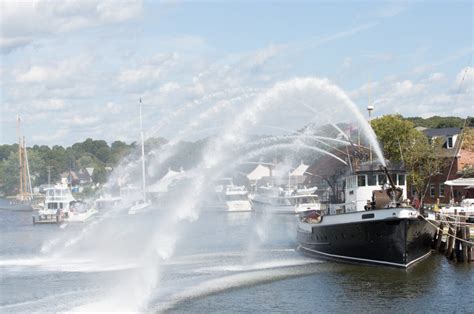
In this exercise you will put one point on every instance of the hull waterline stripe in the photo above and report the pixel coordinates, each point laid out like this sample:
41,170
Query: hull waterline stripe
366,260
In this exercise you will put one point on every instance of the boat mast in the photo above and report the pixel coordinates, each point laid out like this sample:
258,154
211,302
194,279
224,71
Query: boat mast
143,154
20,160
27,170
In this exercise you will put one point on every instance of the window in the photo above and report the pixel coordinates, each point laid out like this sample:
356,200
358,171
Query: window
361,180
449,142
401,179
382,179
441,190
394,178
372,179
432,190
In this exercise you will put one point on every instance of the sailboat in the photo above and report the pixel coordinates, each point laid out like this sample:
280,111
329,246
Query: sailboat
142,204
24,198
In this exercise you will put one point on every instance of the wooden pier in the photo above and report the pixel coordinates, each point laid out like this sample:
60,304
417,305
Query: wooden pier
48,219
454,238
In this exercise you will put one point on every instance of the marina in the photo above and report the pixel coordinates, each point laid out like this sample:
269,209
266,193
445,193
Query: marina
205,157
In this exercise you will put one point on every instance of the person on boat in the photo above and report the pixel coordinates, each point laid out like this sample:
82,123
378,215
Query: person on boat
416,202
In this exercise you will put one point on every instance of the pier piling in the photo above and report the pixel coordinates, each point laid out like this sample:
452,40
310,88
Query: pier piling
450,243
439,237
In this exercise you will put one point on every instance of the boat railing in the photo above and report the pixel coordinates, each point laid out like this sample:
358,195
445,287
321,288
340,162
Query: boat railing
57,198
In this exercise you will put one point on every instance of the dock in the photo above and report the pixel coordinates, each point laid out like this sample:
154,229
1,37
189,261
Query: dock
48,219
455,237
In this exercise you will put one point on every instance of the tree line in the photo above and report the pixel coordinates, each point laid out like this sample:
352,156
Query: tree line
49,162
400,140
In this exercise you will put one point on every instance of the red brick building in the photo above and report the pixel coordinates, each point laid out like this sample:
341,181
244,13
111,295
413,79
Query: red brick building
457,157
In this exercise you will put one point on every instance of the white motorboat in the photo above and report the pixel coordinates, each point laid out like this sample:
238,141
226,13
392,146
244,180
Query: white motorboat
81,212
139,207
232,198
465,208
274,200
106,201
57,205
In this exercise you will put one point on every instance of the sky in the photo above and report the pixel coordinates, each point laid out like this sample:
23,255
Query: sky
77,69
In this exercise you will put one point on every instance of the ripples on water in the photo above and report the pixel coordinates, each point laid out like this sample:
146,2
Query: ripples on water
222,262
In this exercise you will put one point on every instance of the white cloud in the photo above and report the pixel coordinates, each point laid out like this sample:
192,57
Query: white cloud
169,87
50,138
149,71
80,120
24,21
405,88
436,77
425,97
48,104
113,108
56,72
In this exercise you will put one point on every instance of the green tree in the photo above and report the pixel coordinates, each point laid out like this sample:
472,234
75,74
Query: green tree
402,142
99,175
11,173
87,160
395,134
118,150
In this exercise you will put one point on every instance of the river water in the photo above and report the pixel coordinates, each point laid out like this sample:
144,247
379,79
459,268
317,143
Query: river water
221,262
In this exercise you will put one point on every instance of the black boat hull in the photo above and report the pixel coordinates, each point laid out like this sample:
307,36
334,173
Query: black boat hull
398,242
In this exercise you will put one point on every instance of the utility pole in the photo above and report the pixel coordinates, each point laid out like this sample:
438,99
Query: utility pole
49,174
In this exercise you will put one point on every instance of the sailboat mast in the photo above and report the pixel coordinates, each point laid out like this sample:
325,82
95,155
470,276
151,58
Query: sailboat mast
27,171
20,159
143,154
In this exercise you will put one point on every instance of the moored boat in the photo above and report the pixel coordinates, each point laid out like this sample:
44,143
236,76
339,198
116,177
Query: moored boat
81,211
57,205
228,197
144,204
279,201
385,231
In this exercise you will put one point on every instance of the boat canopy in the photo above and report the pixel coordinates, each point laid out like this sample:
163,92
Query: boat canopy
461,182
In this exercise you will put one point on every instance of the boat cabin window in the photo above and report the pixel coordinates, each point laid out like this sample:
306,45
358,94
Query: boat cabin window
361,180
401,179
351,182
372,179
302,200
55,205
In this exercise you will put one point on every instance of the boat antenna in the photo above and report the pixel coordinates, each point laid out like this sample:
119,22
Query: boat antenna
143,153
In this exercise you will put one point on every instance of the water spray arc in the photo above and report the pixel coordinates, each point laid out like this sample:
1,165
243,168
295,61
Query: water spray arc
223,151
